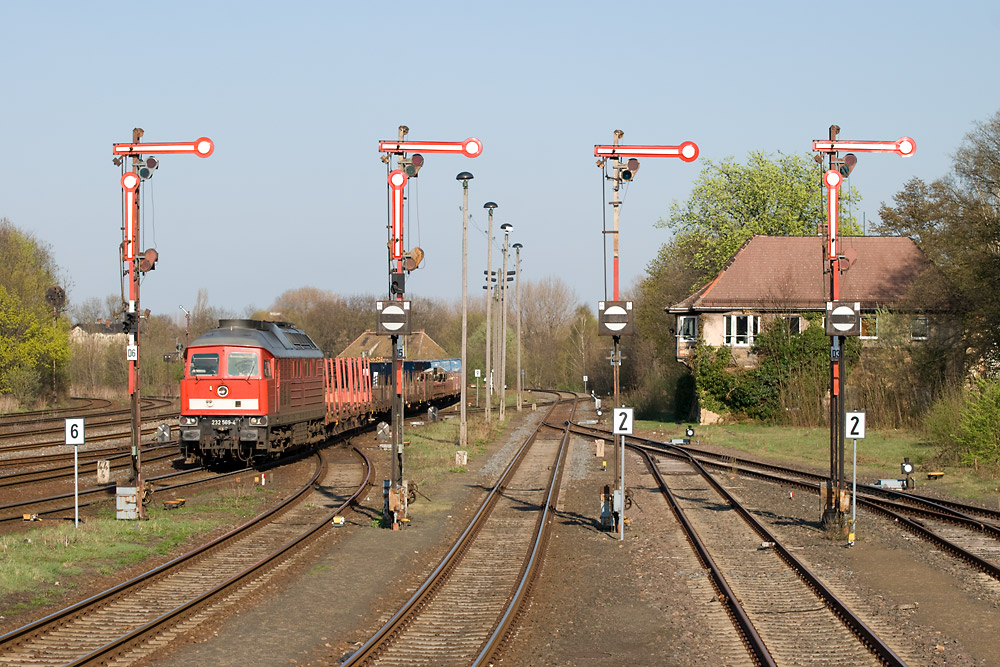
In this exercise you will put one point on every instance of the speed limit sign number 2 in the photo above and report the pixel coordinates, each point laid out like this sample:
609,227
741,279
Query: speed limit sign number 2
854,425
622,418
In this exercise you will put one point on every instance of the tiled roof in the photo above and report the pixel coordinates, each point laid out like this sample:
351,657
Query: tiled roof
417,346
787,273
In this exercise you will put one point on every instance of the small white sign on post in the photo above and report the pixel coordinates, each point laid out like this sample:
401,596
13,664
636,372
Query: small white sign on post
75,437
854,425
131,352
623,421
74,432
479,372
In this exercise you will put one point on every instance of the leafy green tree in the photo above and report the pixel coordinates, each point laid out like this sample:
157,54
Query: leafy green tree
34,347
956,222
731,202
28,348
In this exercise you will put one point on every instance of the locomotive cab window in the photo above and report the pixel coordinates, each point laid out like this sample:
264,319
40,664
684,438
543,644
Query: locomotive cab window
204,364
242,365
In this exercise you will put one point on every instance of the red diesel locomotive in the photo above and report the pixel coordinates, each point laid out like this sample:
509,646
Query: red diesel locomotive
252,389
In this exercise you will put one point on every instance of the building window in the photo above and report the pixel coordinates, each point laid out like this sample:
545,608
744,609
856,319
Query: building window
687,327
869,327
920,328
793,323
741,330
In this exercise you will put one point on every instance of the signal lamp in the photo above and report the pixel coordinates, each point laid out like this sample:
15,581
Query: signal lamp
850,161
412,259
148,260
413,164
147,167
628,172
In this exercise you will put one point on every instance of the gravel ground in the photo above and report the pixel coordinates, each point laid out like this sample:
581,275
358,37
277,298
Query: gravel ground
644,601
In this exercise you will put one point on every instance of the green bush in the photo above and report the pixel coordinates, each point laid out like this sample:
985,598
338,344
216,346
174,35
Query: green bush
978,433
786,363
942,421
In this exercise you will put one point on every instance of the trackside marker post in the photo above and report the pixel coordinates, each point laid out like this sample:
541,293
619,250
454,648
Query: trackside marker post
855,428
132,257
395,501
621,426
833,510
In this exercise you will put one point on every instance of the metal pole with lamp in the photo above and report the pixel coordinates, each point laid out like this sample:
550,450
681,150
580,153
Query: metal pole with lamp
489,206
502,281
463,427
517,296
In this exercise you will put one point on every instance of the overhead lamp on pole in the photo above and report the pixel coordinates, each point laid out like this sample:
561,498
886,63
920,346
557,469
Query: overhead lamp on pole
489,206
502,279
463,428
517,296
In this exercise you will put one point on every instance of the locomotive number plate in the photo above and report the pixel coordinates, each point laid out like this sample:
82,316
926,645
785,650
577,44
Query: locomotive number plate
223,422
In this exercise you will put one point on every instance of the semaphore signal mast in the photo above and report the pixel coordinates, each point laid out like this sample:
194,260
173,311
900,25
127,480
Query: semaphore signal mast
144,164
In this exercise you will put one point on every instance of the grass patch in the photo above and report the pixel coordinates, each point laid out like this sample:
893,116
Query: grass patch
50,558
430,454
879,454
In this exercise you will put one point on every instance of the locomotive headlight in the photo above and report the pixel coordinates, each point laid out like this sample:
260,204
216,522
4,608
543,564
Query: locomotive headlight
258,421
187,421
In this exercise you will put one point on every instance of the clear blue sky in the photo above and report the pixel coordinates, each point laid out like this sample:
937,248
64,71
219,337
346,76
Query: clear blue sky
297,96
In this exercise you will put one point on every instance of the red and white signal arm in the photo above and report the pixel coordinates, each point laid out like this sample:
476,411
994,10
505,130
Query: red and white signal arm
471,147
687,151
904,146
615,318
202,147
393,318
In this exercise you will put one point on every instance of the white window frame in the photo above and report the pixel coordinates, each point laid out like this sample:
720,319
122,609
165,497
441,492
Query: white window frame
798,323
730,335
681,321
926,327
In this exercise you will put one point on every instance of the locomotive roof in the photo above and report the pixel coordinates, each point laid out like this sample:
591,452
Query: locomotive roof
281,339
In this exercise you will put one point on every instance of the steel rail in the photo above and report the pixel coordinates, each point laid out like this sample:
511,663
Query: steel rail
751,639
507,620
174,565
150,455
16,419
932,508
858,627
145,576
297,541
368,651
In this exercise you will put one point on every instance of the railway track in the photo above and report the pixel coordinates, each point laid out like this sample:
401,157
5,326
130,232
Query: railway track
84,407
784,612
118,458
129,622
464,611
102,426
967,532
